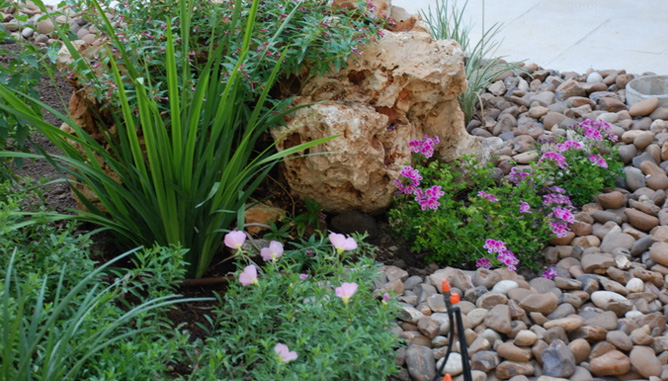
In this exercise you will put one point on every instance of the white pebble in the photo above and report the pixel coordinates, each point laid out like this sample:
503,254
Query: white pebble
594,77
635,285
503,286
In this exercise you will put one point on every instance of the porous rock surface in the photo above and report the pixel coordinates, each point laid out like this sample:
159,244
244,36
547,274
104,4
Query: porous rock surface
603,317
400,88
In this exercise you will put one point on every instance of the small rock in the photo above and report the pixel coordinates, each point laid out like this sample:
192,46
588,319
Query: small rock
644,361
613,363
420,363
644,107
542,303
558,360
603,299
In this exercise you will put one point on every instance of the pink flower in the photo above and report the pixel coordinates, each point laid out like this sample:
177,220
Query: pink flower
484,263
494,246
386,297
598,160
525,207
425,147
346,291
341,243
489,196
556,157
429,200
568,144
550,273
248,276
303,276
560,229
564,215
273,252
235,239
507,257
413,177
284,353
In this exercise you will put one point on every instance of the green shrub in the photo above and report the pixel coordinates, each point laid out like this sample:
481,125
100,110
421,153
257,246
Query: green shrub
294,302
457,224
60,320
498,222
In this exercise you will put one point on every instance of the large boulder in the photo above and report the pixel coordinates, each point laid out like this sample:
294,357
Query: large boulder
400,88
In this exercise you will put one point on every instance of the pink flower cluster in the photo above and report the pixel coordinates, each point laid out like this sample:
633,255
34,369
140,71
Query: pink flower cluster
556,157
561,211
504,255
425,147
525,207
413,176
598,160
595,130
569,144
429,198
488,196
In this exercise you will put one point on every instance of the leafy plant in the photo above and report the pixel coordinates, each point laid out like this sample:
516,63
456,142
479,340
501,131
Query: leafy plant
178,177
475,218
454,226
446,22
327,316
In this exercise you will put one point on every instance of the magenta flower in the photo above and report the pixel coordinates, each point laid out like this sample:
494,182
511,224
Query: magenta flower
598,160
488,196
525,207
413,178
346,291
569,144
235,239
507,257
558,158
284,353
494,246
550,273
429,200
560,229
386,297
484,263
425,147
248,276
341,243
273,252
564,215
303,276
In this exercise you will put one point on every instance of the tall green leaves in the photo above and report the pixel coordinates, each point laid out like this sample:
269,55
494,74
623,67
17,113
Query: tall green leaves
178,177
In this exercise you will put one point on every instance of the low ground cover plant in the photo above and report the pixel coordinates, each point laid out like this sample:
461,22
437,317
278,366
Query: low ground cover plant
506,222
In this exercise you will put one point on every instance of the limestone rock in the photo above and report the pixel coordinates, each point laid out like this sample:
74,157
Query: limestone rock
401,88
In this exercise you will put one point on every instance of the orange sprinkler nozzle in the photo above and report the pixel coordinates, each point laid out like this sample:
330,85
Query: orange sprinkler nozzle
447,377
455,298
445,286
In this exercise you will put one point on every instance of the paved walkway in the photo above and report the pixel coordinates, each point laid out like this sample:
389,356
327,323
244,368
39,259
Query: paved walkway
573,35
